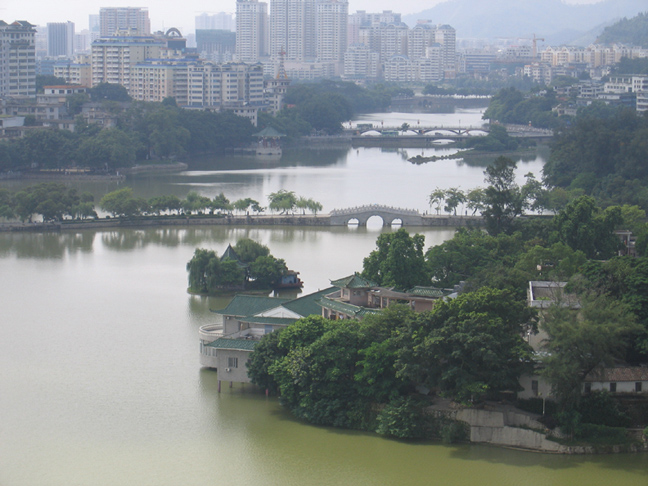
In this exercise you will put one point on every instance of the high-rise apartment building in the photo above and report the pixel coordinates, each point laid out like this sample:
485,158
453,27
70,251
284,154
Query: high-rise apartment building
293,29
17,59
113,57
446,36
216,45
251,30
60,39
134,19
332,20
219,21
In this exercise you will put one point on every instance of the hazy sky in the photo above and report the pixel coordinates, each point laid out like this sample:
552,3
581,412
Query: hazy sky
165,13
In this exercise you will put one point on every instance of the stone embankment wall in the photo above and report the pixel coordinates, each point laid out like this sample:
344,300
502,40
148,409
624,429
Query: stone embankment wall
319,220
510,428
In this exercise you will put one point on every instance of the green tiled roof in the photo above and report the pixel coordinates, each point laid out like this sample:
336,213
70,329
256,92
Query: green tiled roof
427,292
354,281
307,305
240,344
348,309
269,132
230,254
275,321
249,305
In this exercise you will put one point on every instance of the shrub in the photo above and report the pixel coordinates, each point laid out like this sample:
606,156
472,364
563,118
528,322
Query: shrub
404,418
452,432
602,434
600,408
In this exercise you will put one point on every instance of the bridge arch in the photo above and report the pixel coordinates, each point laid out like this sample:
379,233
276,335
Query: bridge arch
389,215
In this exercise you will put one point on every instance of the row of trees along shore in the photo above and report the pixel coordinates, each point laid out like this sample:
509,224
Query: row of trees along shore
145,131
56,202
369,374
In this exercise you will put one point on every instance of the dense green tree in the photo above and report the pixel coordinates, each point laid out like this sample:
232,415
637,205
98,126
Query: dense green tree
470,346
249,250
282,200
43,80
122,203
109,92
583,226
503,199
48,148
633,31
194,202
475,200
265,271
197,268
75,102
583,340
221,203
397,261
111,148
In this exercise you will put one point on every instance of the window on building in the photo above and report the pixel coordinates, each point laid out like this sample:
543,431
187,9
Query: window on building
534,387
232,362
613,387
638,387
588,388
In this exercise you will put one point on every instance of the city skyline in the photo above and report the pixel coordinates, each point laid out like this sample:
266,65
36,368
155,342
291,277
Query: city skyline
164,15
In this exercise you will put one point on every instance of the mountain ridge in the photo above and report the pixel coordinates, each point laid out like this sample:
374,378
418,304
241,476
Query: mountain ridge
555,21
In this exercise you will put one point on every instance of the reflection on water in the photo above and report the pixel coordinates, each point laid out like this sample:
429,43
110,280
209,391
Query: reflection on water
101,382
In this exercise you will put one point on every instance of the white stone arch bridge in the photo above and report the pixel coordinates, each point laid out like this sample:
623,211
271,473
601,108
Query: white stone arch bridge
388,214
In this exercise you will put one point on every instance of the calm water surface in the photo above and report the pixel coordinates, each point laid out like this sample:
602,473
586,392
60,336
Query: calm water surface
100,382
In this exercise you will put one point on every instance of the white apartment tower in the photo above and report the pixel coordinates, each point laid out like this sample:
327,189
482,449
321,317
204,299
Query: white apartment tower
135,19
332,19
60,39
251,30
447,37
293,29
17,59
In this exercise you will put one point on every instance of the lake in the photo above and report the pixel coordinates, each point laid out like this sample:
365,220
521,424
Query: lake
101,382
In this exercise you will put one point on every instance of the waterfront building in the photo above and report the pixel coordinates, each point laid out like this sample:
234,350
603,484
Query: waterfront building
114,19
227,346
251,30
60,39
17,59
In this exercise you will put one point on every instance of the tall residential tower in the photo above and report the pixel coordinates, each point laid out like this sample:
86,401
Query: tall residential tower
251,30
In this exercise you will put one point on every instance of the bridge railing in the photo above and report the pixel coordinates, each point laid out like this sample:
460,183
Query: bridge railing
374,207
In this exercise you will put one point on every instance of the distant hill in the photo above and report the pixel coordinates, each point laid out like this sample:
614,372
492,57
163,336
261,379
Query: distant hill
627,31
555,21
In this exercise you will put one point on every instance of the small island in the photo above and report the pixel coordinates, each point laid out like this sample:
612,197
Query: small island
246,266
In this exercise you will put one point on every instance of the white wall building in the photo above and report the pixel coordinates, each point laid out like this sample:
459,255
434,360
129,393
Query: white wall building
251,30
17,59
332,20
60,39
113,19
293,29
